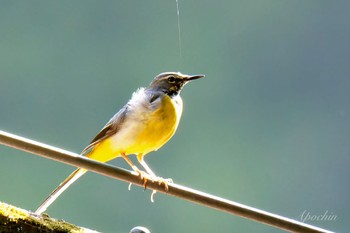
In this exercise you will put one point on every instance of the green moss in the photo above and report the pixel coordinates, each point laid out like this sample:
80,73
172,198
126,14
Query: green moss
13,219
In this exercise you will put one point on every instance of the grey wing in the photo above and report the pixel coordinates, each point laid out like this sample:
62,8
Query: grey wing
109,129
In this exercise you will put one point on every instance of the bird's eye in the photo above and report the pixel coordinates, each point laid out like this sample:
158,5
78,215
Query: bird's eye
171,79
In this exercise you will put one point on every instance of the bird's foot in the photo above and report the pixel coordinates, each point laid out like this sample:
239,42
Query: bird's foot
143,176
160,181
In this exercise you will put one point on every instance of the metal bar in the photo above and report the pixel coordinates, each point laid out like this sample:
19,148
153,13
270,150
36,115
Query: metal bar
186,193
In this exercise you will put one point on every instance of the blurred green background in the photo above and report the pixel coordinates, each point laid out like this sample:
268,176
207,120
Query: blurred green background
267,127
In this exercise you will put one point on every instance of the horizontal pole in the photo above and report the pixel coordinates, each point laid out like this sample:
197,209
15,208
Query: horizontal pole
186,193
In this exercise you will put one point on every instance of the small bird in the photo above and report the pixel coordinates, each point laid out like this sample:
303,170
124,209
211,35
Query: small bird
143,125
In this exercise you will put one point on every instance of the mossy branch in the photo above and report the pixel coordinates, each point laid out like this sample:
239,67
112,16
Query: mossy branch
14,219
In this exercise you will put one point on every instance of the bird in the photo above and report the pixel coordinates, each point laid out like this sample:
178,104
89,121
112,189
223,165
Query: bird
148,120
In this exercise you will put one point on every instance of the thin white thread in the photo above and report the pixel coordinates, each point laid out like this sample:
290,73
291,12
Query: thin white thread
179,29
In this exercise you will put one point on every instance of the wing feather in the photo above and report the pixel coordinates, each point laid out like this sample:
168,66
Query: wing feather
111,128
141,98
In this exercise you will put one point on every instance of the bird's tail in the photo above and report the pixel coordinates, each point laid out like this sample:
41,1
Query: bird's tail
60,189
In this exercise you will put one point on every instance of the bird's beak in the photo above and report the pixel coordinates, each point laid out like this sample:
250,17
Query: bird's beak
194,77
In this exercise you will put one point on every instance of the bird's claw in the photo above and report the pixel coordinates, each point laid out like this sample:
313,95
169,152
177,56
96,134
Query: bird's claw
159,180
162,181
143,176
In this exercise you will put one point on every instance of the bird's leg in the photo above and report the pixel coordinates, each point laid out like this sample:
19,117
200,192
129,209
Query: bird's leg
138,171
155,178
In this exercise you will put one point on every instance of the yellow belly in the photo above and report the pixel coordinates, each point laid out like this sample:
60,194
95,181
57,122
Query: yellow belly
141,134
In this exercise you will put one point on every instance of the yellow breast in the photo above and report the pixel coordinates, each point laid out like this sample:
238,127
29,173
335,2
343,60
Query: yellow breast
144,130
160,126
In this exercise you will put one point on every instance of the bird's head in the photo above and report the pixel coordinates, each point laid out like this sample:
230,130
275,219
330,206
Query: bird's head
171,83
